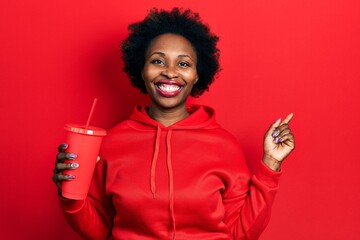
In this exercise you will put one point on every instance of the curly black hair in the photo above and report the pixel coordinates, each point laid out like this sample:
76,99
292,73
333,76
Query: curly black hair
178,21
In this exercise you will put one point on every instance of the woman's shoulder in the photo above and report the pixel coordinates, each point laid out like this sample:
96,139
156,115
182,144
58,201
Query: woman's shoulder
119,127
225,135
118,131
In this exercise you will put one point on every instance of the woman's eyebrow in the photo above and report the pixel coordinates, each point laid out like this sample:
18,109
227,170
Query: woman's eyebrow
184,55
163,54
160,53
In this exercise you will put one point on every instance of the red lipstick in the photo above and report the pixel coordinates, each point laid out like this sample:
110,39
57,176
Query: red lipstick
168,88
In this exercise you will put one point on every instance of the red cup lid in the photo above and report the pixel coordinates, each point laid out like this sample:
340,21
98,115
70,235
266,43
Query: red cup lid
78,128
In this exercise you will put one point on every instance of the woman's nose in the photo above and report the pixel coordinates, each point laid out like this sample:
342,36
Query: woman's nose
170,72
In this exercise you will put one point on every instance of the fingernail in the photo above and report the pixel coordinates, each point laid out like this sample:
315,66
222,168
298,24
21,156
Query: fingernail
276,140
280,140
275,133
71,177
72,156
74,165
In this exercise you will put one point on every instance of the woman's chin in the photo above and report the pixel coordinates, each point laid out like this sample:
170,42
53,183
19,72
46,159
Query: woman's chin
169,102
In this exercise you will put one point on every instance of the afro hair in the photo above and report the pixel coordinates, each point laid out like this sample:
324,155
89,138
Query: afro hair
177,21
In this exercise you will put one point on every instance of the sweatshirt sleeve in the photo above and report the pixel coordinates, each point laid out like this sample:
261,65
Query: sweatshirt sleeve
91,218
248,209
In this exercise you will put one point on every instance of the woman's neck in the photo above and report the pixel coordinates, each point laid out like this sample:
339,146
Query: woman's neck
167,117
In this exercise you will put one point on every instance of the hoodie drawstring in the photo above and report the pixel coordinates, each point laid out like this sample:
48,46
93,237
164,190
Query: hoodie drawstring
154,160
171,180
170,171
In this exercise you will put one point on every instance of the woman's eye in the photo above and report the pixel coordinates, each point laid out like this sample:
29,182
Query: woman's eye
184,64
157,61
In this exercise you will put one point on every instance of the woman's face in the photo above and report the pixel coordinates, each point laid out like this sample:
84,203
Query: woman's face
169,71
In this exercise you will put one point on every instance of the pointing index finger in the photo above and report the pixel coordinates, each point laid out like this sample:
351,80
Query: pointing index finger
288,119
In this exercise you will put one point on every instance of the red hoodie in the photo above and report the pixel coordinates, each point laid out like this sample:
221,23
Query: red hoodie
185,181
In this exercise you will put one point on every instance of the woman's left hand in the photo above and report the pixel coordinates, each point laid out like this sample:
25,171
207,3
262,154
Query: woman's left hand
279,142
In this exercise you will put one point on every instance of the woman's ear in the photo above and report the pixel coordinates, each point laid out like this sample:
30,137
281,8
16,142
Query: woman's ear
197,78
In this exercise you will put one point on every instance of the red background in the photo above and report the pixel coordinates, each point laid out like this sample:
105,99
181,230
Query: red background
277,57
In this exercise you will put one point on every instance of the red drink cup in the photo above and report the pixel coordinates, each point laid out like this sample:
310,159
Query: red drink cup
85,143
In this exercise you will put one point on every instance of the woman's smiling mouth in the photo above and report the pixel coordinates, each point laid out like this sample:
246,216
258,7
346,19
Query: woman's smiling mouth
168,88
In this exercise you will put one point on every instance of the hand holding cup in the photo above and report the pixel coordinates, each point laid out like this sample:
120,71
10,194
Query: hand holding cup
83,144
61,166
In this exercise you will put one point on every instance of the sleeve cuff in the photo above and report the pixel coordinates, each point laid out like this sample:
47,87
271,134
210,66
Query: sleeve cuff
70,205
268,176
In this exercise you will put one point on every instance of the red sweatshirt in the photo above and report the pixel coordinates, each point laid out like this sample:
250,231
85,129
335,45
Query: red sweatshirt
185,181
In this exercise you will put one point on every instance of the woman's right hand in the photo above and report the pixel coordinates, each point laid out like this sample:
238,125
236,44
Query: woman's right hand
60,166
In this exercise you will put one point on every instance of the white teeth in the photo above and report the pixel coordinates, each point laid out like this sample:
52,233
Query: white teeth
169,88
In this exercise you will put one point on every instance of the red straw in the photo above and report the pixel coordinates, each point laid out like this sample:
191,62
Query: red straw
91,113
